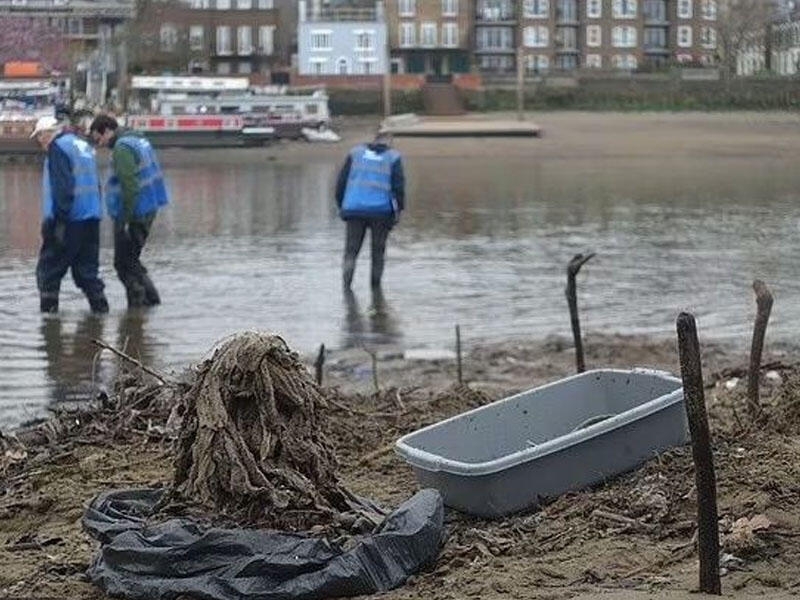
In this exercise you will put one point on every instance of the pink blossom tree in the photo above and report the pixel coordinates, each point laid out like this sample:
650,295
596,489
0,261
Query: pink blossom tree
32,39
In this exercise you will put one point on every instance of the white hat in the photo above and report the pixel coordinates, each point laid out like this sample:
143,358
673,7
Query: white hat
44,124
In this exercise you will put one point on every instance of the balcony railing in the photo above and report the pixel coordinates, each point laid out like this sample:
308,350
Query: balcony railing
345,14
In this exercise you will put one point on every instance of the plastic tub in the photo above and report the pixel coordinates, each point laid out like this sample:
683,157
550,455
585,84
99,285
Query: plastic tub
575,432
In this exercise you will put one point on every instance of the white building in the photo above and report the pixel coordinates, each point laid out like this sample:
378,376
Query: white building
340,41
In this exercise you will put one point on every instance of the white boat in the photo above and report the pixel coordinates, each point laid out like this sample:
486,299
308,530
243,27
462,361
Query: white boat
201,105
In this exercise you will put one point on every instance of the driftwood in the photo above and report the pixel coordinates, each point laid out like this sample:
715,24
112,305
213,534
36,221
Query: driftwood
763,309
572,299
130,359
705,479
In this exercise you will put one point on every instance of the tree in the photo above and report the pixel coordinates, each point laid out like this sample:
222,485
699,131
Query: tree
33,39
741,25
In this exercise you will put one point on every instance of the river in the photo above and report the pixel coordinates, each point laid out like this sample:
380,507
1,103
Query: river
252,240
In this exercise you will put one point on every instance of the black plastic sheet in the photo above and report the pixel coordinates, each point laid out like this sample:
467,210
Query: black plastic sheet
164,560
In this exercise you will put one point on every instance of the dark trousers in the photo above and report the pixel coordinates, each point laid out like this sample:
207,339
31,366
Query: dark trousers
128,246
78,252
379,233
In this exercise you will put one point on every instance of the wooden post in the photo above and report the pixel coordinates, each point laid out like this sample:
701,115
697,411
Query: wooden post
572,299
319,364
458,355
705,480
520,63
763,308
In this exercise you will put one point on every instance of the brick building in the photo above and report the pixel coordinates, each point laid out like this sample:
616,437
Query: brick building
432,37
593,34
207,36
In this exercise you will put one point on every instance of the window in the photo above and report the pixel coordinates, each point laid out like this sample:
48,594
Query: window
684,58
536,63
224,68
244,5
245,68
624,9
224,40
266,4
408,35
321,40
495,10
495,38
594,61
536,9
342,66
223,5
594,9
567,63
708,10
624,61
567,38
74,26
407,8
594,36
684,9
655,10
685,36
266,39
317,65
365,40
244,39
567,10
537,36
655,38
497,64
428,34
623,36
367,65
449,8
195,37
168,37
708,37
450,35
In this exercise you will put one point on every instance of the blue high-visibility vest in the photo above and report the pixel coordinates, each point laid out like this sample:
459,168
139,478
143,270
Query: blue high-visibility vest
152,189
369,183
86,202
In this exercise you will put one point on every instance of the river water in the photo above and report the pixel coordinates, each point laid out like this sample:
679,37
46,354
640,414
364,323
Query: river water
252,240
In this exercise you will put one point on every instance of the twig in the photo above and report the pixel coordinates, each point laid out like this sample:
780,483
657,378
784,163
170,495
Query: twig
341,406
764,307
622,519
376,453
130,359
572,299
398,399
705,478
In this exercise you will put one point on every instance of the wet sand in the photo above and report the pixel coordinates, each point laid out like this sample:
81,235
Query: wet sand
561,551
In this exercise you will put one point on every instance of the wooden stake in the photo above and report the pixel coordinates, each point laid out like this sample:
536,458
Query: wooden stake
319,364
705,479
764,307
458,355
572,299
374,356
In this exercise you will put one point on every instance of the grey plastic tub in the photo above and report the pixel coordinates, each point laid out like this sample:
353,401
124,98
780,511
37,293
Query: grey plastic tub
513,453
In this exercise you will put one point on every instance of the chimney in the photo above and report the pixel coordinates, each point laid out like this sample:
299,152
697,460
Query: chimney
379,15
301,11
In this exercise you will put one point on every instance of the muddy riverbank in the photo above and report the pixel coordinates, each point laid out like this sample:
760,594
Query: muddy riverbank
565,550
